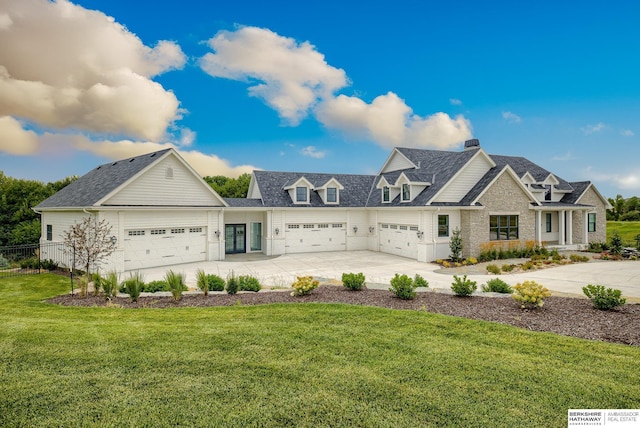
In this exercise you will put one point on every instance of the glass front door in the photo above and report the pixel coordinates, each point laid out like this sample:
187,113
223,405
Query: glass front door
235,238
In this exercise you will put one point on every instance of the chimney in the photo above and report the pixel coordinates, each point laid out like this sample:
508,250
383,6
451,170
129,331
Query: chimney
472,144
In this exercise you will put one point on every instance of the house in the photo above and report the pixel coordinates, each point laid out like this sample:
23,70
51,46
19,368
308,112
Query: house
163,213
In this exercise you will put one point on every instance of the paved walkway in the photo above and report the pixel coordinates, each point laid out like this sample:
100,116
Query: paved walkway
379,268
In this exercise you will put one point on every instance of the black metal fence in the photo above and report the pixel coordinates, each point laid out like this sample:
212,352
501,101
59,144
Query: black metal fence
32,259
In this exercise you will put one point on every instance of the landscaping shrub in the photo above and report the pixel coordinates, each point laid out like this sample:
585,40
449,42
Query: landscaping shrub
215,283
446,264
133,285
353,281
528,265
109,284
232,284
248,283
463,286
539,257
530,294
507,268
616,244
202,282
30,263
604,299
494,269
48,264
304,285
598,247
403,287
576,258
496,285
455,245
419,281
175,281
155,286
4,263
472,261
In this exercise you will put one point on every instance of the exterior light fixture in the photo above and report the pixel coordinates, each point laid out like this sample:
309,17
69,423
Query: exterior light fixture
217,233
113,240
277,230
420,234
355,229
371,229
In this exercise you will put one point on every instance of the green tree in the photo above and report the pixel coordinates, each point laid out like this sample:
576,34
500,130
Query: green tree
617,210
230,187
455,245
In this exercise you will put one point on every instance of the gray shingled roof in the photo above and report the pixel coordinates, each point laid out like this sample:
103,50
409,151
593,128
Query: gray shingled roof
522,165
579,188
244,202
271,185
99,182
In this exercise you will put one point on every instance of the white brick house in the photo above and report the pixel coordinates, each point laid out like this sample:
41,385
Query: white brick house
163,213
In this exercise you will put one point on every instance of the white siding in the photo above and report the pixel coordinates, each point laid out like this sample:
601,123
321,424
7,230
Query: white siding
60,222
311,216
465,180
399,216
397,162
155,188
147,219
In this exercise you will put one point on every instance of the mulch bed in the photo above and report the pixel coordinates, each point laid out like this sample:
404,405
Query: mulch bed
562,315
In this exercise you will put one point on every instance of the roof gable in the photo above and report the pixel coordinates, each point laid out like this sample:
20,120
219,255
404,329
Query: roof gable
465,178
396,161
489,180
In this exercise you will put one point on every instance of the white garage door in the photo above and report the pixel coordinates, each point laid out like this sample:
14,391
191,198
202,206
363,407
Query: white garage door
399,239
145,248
313,237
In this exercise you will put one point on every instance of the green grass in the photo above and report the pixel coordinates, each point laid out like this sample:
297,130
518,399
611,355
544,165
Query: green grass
290,365
628,230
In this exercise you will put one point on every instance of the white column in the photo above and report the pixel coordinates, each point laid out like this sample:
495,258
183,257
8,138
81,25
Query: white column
561,227
570,227
268,227
585,228
539,227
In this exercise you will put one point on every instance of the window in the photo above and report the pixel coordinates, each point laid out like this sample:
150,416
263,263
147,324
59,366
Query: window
385,194
307,226
136,233
406,192
404,228
332,195
547,192
49,232
301,194
256,236
177,231
337,225
293,226
443,225
592,222
195,230
548,220
503,227
168,173
323,226
158,231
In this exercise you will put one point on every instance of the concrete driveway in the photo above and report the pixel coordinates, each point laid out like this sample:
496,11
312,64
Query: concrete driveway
379,268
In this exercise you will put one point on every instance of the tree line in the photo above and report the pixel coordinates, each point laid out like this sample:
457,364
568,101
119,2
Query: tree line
20,225
624,209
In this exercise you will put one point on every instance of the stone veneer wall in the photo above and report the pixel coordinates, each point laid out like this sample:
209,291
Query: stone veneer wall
590,197
504,196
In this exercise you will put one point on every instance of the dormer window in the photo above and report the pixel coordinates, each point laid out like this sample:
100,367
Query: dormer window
302,194
406,192
385,194
332,195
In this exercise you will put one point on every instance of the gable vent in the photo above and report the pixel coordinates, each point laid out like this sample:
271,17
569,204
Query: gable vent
472,144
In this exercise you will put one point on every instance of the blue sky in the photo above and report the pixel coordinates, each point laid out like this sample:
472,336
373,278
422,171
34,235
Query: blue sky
326,86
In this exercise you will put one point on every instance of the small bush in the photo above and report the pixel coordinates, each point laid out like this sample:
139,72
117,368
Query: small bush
472,261
494,269
576,258
4,263
109,285
233,285
353,281
175,281
48,264
507,268
133,286
496,285
616,244
248,283
528,265
31,263
202,282
463,286
539,257
215,283
403,287
155,286
530,294
446,264
419,281
304,285
604,299
455,245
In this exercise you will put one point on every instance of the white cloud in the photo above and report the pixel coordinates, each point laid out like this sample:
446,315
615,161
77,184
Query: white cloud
14,139
390,122
628,180
565,157
312,152
592,129
294,79
511,117
627,133
289,76
66,67
455,102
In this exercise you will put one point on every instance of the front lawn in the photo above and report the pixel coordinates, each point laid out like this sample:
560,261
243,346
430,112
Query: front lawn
290,365
628,230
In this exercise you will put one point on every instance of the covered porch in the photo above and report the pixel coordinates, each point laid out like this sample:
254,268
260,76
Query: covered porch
563,226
